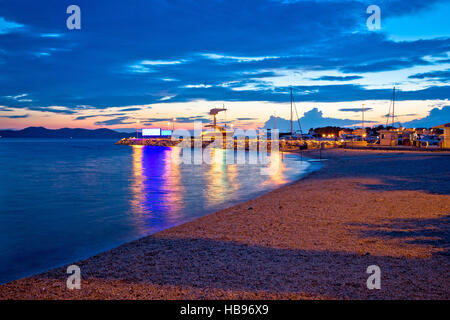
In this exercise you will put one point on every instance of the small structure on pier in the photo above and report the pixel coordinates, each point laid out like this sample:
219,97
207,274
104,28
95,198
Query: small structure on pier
388,137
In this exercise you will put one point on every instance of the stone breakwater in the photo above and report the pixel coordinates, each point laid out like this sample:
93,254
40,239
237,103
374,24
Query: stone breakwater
163,142
249,144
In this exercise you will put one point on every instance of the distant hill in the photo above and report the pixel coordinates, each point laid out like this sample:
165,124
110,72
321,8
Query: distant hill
41,132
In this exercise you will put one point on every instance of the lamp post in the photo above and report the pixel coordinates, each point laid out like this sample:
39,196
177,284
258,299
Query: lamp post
137,129
173,124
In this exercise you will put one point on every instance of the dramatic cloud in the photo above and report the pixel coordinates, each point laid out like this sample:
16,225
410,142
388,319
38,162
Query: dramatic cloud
436,117
130,109
311,119
53,109
355,109
8,26
98,115
16,116
211,50
115,121
384,65
177,120
443,75
338,78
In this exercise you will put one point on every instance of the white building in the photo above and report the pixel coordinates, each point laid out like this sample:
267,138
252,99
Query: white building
388,138
446,142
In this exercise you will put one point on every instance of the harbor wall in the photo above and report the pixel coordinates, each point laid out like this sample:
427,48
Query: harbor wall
250,144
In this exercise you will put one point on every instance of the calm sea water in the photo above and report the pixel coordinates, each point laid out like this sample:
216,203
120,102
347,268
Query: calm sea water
63,200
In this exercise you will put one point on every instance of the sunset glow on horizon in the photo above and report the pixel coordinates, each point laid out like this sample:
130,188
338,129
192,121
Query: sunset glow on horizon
111,75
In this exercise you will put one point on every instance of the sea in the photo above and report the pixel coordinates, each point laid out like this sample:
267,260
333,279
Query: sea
62,200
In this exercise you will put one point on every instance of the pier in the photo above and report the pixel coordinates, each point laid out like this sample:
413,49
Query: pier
247,144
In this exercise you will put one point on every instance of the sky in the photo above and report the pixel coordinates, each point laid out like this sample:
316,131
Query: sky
136,64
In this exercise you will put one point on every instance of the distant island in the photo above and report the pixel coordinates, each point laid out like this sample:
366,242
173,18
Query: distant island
41,132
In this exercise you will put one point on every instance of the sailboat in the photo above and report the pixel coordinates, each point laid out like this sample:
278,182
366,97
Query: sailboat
390,137
292,134
388,116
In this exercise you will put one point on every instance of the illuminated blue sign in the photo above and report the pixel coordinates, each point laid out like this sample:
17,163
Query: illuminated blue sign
151,132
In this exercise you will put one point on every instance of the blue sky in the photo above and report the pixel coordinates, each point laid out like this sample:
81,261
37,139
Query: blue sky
151,61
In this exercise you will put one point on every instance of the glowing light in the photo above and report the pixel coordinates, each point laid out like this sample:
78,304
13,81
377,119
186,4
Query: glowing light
277,177
137,187
151,132
172,183
216,177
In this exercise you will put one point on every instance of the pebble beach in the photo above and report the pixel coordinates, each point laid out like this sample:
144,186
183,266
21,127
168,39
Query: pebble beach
311,239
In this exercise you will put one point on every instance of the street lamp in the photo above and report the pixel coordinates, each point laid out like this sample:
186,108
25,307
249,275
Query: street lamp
173,124
137,129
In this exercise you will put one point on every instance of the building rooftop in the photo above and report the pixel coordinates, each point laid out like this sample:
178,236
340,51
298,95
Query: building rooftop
445,125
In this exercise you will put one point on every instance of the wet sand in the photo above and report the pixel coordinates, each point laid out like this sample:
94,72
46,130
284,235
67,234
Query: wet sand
312,239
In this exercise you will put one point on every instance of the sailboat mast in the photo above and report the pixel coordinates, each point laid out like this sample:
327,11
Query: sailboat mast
291,114
275,120
363,118
393,107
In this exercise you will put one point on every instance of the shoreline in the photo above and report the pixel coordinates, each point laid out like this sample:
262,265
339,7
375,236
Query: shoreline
312,238
312,167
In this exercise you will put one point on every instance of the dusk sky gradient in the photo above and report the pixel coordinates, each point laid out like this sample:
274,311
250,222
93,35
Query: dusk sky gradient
150,61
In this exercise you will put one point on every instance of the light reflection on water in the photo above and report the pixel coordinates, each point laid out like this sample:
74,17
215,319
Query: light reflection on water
167,192
61,201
